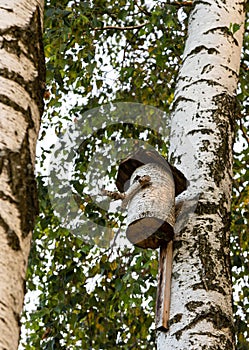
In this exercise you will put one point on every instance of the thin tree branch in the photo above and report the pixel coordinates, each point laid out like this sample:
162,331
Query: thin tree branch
121,28
142,9
141,182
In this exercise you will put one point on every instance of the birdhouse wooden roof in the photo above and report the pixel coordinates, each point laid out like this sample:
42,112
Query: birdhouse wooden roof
142,157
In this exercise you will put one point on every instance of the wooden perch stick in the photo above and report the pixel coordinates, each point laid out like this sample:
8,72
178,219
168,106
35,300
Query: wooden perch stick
141,182
164,287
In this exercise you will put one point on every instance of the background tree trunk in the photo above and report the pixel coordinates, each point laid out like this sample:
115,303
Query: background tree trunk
22,81
202,132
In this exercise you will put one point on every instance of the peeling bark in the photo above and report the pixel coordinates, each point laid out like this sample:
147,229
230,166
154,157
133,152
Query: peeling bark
202,134
22,82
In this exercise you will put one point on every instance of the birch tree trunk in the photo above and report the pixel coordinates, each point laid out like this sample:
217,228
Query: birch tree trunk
201,142
21,91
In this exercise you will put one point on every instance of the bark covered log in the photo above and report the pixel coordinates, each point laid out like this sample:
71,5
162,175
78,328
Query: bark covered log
151,211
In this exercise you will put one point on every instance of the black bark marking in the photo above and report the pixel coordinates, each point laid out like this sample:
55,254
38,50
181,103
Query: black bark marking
224,117
180,99
210,277
6,9
204,131
3,320
6,197
196,3
224,342
193,305
17,317
206,207
207,68
210,280
201,2
224,31
12,238
209,82
26,113
29,37
3,304
176,319
233,72
23,185
201,49
214,315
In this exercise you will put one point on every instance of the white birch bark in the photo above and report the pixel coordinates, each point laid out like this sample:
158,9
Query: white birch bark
21,92
201,147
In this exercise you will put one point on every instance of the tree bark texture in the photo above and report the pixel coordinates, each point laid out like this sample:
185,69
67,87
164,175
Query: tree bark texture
201,142
22,82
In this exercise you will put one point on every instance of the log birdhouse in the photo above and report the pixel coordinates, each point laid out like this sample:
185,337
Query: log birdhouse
148,185
151,206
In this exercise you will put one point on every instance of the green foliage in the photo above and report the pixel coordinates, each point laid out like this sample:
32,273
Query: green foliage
234,27
240,205
91,298
240,239
137,65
